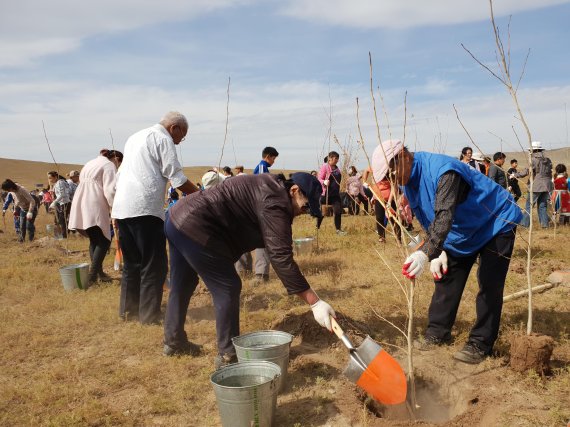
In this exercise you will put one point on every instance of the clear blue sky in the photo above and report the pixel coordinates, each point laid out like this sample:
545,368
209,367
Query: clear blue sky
85,68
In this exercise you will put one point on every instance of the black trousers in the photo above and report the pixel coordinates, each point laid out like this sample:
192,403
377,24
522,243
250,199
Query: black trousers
98,247
333,200
494,259
144,267
188,260
380,213
62,217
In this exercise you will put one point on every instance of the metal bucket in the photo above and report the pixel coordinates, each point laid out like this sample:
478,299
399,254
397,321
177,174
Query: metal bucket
303,246
271,346
247,393
75,276
54,230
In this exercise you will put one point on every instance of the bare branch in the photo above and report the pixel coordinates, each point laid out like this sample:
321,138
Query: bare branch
227,121
523,70
483,65
374,99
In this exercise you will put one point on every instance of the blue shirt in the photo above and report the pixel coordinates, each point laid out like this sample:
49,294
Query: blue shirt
262,167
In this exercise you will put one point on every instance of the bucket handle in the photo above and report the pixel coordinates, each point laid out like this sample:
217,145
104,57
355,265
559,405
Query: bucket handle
78,278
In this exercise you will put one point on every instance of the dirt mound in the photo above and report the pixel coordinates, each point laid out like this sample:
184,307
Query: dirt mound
305,327
531,352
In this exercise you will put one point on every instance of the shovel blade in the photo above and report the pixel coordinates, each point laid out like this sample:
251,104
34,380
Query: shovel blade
384,380
378,373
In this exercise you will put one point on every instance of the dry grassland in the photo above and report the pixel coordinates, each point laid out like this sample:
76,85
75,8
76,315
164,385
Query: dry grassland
67,360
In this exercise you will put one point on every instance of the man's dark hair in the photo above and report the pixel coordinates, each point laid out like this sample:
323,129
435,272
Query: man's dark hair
498,156
9,185
514,161
269,151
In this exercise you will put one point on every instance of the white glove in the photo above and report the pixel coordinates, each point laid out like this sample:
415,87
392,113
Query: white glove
323,312
3,212
29,216
414,264
326,182
52,206
512,176
438,266
365,184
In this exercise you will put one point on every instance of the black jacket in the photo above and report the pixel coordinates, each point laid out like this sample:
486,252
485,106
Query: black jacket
239,215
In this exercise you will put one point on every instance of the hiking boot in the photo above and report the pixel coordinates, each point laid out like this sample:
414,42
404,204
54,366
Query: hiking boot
188,348
428,342
104,277
341,232
226,359
470,353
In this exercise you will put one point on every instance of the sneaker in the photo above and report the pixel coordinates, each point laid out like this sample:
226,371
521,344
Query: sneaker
470,353
188,348
226,359
428,342
341,232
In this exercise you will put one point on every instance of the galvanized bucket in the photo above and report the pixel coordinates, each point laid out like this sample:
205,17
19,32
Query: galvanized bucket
247,393
74,276
271,346
303,246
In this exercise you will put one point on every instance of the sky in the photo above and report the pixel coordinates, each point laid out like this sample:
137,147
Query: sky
93,73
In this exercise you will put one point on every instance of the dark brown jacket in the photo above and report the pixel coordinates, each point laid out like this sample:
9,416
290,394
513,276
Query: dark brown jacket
239,215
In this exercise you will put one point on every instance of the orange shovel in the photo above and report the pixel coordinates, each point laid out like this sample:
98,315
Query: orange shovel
374,370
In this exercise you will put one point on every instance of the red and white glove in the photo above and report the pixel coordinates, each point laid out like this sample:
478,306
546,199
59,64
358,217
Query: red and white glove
438,266
414,264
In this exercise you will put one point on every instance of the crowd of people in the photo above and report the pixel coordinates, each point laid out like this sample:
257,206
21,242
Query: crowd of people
467,208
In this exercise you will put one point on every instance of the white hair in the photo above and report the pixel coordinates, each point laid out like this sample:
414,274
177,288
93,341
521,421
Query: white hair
174,118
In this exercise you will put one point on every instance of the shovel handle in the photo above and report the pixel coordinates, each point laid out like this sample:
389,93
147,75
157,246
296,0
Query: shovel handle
336,328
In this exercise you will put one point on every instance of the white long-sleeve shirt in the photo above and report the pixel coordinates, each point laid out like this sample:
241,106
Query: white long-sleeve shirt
149,162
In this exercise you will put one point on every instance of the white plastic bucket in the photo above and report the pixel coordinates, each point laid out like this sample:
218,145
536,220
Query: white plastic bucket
75,276
270,346
247,393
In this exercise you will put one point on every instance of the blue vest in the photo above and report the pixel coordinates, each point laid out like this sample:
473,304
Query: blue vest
489,209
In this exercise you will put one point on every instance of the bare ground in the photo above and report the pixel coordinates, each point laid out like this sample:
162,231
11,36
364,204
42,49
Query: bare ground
68,360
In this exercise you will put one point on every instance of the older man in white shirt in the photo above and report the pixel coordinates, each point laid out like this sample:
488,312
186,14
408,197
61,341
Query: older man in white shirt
149,162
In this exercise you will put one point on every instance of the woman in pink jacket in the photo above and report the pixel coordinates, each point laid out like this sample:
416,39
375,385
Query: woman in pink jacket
91,208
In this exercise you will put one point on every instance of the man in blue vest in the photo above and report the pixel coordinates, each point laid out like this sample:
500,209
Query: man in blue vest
466,216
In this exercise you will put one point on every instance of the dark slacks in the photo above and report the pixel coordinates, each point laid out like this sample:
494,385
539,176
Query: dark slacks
380,213
27,224
62,217
188,260
335,201
144,267
494,259
98,247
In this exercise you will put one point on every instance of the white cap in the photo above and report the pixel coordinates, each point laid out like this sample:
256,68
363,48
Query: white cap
382,156
211,179
537,146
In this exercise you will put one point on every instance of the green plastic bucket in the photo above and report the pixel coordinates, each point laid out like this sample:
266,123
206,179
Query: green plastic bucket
74,276
246,393
270,346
